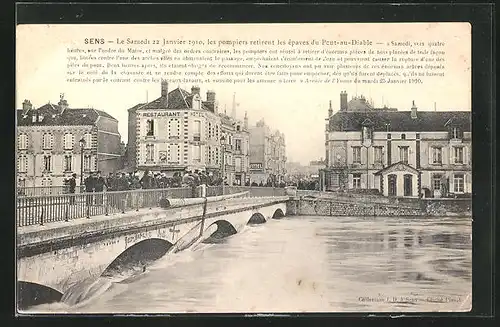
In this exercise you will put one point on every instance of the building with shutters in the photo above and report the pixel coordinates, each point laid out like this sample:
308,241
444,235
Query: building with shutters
267,155
397,153
179,131
48,148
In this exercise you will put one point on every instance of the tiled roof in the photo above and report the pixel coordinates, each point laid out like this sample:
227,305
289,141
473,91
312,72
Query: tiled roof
401,120
177,99
53,115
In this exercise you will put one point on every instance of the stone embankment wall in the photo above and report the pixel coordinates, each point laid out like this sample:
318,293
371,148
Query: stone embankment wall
332,207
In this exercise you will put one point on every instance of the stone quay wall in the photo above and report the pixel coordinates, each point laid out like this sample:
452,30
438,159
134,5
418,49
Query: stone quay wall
332,207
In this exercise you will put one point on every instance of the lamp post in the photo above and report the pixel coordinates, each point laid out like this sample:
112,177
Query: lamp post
82,145
223,169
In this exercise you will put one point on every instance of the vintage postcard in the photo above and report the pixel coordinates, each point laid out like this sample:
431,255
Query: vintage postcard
243,168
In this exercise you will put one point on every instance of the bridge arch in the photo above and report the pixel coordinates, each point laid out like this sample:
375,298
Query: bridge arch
139,254
30,294
224,229
278,214
257,218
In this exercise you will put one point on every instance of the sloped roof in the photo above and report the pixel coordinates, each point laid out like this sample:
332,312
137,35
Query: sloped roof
400,120
53,115
177,99
359,104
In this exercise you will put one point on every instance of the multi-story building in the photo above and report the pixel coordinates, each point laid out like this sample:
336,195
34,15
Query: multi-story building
53,139
237,150
175,132
267,155
399,153
180,131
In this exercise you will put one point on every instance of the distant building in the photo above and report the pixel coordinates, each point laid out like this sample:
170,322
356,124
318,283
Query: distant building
267,155
399,153
48,143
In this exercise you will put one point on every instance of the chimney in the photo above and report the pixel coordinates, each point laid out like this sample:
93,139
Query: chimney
413,110
195,90
330,110
343,101
27,106
164,92
63,103
210,96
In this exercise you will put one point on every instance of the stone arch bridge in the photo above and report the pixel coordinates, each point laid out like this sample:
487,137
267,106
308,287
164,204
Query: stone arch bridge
53,258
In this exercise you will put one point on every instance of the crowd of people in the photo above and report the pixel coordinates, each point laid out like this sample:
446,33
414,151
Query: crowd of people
123,181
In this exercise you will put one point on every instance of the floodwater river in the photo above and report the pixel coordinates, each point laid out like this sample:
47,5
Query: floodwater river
300,264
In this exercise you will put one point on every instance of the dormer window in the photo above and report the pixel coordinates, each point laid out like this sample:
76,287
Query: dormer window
403,136
367,133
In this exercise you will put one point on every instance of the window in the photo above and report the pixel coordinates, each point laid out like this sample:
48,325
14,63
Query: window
237,163
403,136
174,153
455,133
367,133
436,153
356,180
389,136
238,128
150,152
22,142
22,164
22,184
87,163
209,130
378,154
403,154
197,131
436,181
47,163
197,153
69,141
458,153
417,136
334,180
88,140
356,154
150,127
458,183
47,141
238,145
173,128
68,160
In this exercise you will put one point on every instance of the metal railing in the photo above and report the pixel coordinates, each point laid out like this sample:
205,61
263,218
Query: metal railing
46,190
42,209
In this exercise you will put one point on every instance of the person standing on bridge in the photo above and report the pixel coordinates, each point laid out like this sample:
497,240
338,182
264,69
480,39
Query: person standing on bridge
89,188
72,188
100,182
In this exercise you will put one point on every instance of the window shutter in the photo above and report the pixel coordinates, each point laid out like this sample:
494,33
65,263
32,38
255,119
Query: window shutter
452,183
51,141
452,156
466,155
349,179
363,180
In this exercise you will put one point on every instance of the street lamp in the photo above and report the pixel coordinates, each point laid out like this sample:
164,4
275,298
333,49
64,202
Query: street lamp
82,145
223,170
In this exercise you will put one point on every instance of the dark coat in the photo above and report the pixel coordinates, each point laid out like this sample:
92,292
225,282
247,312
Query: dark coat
89,184
72,185
99,184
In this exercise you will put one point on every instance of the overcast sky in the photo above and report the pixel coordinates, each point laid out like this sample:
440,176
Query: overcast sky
299,111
